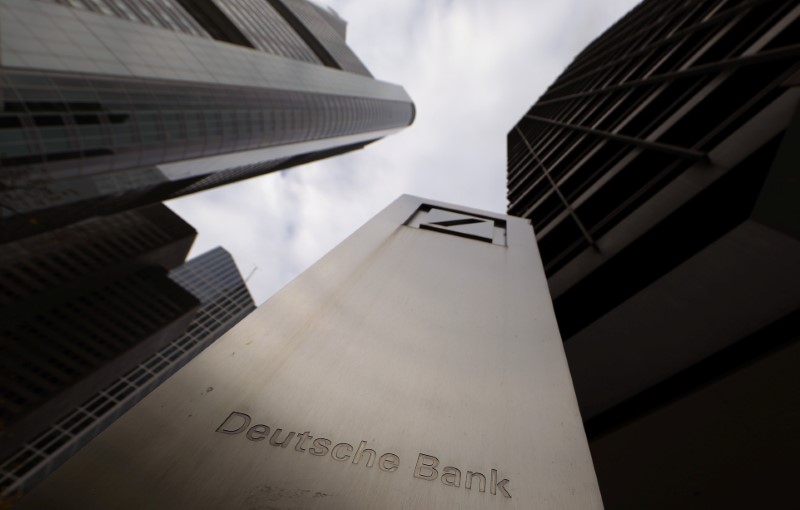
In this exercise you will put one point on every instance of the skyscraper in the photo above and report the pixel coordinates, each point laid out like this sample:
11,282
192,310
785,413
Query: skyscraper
110,104
81,305
659,171
213,279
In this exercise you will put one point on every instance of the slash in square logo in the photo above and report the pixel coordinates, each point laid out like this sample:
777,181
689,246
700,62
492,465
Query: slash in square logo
460,224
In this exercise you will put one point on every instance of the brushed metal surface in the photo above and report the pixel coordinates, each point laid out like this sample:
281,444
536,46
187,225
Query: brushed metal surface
405,362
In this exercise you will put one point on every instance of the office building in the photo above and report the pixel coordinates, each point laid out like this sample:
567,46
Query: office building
213,279
111,104
660,174
82,305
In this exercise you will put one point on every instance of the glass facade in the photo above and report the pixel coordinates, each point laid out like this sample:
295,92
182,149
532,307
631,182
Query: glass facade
56,348
81,304
326,34
67,138
266,29
232,175
92,101
214,280
41,262
659,172
333,19
635,112
62,126
157,13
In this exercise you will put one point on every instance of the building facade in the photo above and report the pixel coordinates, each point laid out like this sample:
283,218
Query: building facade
659,172
212,279
82,305
110,104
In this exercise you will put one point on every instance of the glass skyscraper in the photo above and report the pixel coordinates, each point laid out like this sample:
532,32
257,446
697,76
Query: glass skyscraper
659,172
80,305
212,278
111,104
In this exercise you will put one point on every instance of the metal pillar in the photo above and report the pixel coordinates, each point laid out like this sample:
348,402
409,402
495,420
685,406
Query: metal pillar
417,365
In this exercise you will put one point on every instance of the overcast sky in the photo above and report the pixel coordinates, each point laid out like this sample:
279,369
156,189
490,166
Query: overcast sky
472,67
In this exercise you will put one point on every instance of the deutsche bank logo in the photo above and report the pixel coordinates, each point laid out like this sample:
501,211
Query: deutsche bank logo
447,221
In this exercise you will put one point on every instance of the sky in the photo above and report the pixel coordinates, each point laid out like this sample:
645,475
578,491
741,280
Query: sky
472,67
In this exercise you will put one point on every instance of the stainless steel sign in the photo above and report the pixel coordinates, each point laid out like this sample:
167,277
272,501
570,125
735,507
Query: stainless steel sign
417,365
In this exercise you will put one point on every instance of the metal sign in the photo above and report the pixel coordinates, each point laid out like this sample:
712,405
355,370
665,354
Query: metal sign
417,365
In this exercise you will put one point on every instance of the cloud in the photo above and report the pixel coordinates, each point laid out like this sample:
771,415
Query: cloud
473,69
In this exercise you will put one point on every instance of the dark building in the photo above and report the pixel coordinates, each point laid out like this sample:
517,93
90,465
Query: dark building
111,104
660,172
211,278
82,305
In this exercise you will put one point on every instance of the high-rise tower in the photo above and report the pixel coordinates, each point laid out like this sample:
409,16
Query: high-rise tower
109,104
660,174
81,305
212,278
